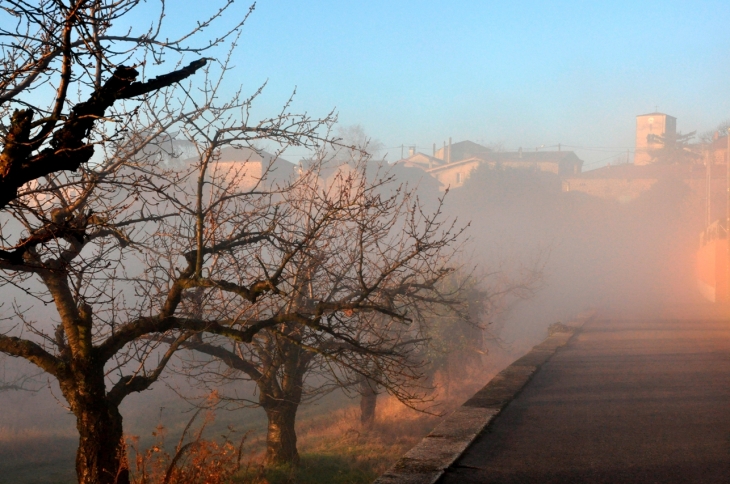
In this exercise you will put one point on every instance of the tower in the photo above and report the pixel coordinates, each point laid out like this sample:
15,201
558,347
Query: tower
658,124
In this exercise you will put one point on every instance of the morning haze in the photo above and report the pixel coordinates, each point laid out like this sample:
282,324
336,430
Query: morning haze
340,242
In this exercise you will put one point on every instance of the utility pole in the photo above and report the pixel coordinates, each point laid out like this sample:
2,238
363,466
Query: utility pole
727,220
401,152
708,163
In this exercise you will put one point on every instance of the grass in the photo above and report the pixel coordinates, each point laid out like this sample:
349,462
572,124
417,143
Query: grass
314,469
356,459
38,459
333,446
334,449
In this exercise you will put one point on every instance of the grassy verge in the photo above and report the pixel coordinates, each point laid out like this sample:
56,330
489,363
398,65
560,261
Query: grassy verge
336,468
334,448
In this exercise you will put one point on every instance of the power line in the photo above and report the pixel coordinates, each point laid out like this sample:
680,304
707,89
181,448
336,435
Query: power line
602,159
599,149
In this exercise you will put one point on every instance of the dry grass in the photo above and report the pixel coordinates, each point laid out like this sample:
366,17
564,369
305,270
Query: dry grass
195,460
335,448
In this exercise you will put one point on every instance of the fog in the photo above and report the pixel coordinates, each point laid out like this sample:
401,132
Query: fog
575,251
588,252
582,148
597,253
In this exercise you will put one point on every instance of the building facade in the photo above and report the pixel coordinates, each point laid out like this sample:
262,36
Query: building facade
650,128
452,165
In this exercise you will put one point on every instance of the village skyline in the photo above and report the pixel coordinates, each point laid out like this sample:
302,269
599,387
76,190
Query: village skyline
527,74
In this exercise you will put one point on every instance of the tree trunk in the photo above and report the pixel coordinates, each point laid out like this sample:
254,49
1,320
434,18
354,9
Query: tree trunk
101,456
281,439
368,401
280,398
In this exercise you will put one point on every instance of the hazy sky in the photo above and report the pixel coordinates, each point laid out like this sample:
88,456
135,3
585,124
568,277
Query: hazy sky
524,73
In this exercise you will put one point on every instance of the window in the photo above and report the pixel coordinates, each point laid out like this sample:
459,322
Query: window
458,178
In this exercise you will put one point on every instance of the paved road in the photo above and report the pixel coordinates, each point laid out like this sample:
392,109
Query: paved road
625,402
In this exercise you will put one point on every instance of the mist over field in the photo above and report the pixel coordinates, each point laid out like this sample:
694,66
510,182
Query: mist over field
573,251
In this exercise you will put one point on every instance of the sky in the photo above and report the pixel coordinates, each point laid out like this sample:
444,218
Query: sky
521,73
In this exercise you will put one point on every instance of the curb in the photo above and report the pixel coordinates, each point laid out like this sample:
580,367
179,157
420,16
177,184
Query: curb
428,460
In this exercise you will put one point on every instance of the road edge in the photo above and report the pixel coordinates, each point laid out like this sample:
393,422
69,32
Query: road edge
428,460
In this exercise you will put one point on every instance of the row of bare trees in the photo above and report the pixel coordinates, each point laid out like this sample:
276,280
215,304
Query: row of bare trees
146,261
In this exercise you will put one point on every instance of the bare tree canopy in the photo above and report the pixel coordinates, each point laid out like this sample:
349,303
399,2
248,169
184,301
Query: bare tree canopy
349,267
139,254
53,51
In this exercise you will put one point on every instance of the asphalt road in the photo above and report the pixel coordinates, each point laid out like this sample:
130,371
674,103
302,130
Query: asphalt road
626,401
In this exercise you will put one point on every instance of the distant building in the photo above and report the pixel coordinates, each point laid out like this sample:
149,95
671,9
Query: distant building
422,161
654,131
626,182
453,175
650,127
329,174
623,183
562,163
249,168
453,164
461,151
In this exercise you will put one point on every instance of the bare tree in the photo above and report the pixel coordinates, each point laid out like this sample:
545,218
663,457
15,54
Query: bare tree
138,257
276,364
75,49
676,148
455,332
72,223
356,142
348,258
89,244
720,131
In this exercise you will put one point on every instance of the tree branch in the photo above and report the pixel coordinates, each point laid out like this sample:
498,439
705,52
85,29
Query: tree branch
136,383
68,150
21,348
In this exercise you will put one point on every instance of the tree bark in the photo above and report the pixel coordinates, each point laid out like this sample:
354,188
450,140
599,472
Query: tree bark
101,457
280,399
368,402
281,439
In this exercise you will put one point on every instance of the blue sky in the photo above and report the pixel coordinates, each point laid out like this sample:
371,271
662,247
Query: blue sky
523,73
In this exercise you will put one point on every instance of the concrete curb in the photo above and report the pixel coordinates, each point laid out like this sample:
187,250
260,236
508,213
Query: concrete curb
428,460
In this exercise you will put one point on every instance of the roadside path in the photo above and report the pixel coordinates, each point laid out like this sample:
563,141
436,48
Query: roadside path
626,401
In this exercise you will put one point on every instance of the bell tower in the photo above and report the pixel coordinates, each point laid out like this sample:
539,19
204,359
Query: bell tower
648,127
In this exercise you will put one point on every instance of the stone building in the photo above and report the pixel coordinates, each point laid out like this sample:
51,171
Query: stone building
650,128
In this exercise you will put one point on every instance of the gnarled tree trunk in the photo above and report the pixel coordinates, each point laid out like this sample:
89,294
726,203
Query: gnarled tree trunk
281,438
280,398
101,456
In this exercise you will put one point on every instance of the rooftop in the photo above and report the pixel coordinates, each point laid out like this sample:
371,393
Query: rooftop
650,171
